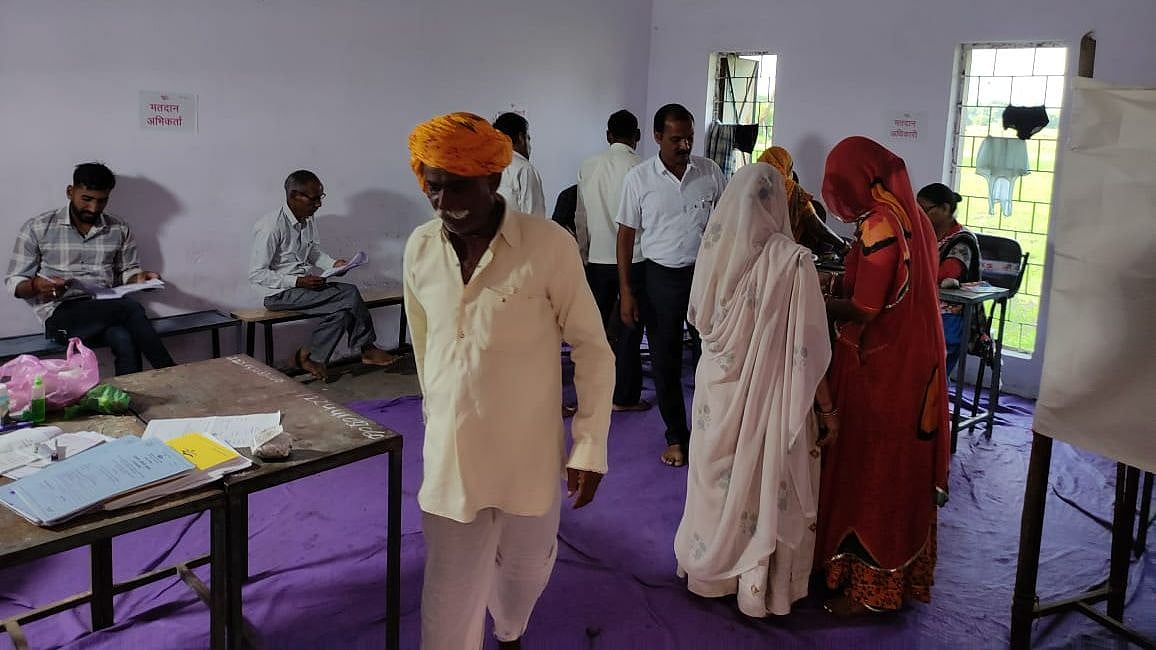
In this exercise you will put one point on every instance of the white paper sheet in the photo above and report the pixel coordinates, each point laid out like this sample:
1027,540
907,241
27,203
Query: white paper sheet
1099,377
18,463
358,259
18,448
237,431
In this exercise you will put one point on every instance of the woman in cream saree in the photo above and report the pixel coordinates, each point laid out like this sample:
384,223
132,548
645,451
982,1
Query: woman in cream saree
753,483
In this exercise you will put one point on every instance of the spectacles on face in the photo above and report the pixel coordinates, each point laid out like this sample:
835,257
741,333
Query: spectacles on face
316,200
927,207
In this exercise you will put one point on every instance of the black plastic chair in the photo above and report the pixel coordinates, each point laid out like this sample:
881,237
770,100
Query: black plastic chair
1002,264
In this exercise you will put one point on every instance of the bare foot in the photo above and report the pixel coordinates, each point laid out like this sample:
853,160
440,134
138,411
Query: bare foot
302,361
375,356
641,405
673,456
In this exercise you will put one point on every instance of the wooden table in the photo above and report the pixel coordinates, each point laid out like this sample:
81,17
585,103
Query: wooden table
325,436
971,300
21,541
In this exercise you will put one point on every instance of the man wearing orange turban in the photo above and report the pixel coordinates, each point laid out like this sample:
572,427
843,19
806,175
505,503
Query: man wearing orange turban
491,294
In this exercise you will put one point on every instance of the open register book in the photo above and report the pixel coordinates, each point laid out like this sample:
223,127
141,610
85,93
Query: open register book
77,289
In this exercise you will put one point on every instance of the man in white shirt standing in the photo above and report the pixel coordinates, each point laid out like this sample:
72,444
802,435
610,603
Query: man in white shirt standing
599,196
285,251
666,202
491,293
521,186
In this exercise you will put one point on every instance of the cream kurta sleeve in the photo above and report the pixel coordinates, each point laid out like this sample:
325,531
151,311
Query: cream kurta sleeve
414,314
581,326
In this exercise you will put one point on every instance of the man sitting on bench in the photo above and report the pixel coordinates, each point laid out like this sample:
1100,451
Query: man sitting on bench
80,242
285,252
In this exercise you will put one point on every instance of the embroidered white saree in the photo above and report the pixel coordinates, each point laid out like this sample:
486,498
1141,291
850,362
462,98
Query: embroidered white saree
753,479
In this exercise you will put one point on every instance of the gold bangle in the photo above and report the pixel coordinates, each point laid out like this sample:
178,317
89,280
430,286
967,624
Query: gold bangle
826,414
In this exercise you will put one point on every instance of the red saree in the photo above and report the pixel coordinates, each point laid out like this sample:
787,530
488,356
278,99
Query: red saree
876,522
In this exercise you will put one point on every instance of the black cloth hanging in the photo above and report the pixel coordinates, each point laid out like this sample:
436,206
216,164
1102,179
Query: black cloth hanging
1026,120
745,137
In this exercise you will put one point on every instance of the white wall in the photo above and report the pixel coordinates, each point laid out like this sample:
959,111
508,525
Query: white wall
843,65
332,86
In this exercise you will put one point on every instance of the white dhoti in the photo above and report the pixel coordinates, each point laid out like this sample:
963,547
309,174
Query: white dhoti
498,561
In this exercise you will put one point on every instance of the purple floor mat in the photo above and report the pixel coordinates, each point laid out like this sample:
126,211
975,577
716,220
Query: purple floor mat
317,560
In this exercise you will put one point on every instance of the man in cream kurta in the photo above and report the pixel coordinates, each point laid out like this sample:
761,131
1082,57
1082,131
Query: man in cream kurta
491,294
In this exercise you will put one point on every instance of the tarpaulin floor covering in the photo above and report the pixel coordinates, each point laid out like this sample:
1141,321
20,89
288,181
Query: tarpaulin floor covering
317,549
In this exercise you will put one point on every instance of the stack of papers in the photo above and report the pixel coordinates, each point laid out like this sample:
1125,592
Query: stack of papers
85,482
27,451
211,458
237,431
979,287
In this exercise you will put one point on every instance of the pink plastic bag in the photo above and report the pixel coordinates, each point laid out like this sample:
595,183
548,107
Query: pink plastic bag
65,380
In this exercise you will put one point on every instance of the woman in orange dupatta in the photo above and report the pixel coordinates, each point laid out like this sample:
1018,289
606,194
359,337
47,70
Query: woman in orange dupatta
885,475
806,226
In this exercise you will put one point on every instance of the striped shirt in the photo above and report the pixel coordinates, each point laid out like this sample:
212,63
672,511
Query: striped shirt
49,245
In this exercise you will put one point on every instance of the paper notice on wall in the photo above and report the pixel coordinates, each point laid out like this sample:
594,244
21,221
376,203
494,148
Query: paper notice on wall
901,126
164,111
1099,379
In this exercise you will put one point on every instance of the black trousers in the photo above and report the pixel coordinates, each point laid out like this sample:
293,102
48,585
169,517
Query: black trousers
123,325
664,306
625,341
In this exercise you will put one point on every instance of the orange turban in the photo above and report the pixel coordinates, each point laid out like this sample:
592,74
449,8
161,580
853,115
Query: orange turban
460,143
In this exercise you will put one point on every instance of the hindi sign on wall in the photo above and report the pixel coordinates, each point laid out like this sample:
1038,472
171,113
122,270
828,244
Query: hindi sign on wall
904,127
165,111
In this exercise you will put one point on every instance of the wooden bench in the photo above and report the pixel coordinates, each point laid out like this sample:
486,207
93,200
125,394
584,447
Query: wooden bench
198,321
267,319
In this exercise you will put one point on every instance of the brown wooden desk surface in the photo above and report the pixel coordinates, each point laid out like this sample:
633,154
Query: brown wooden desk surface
21,540
325,433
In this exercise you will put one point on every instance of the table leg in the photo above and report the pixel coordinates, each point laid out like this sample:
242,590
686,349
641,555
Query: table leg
959,377
101,605
402,327
1145,515
237,572
218,587
268,344
996,369
250,336
1127,483
216,337
1031,533
393,555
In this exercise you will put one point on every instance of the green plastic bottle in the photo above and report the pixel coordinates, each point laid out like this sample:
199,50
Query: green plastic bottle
36,404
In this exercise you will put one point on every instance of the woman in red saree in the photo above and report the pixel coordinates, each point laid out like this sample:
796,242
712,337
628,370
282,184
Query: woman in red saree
885,475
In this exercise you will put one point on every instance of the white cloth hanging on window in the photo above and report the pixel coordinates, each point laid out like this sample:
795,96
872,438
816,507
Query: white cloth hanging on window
1001,161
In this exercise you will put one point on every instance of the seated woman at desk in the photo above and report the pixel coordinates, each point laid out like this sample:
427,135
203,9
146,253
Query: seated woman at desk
958,259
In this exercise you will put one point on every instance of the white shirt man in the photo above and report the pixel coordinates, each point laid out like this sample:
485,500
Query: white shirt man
599,196
666,202
670,213
522,187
